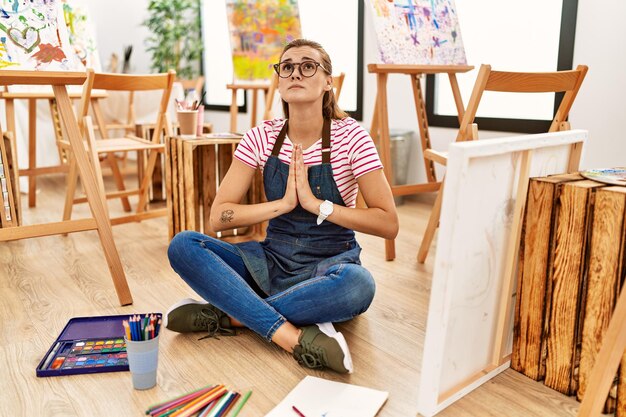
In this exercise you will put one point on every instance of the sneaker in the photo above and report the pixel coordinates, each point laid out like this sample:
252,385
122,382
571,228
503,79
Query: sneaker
322,346
189,315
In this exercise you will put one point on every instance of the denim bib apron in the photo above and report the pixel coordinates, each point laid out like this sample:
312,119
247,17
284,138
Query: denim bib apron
296,248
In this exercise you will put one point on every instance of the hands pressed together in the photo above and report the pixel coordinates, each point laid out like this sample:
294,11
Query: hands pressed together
298,188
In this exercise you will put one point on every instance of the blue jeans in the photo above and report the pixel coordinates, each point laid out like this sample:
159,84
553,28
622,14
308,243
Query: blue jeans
216,271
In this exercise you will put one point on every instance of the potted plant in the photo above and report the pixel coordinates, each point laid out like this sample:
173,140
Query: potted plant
176,39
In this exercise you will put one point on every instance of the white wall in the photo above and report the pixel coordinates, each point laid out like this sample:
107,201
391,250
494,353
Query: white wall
600,107
600,35
118,24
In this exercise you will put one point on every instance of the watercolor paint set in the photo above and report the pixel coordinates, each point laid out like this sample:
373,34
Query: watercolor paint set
87,345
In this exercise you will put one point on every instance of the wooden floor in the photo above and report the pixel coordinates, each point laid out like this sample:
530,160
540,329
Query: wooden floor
46,281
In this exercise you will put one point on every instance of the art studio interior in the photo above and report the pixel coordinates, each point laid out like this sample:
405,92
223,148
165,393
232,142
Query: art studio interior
294,208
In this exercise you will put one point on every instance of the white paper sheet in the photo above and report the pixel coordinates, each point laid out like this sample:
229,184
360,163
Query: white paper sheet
317,397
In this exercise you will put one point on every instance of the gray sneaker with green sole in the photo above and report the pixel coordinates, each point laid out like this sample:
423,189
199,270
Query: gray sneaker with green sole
189,315
321,346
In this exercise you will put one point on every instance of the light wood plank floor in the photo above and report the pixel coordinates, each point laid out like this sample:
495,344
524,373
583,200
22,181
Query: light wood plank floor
46,281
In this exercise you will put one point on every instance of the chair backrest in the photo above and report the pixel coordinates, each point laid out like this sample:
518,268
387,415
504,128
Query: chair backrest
131,83
338,84
269,98
568,82
194,84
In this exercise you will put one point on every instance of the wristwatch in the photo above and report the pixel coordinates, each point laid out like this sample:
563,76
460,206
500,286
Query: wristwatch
326,209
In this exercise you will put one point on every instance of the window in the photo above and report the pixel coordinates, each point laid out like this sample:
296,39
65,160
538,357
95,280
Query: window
337,25
510,36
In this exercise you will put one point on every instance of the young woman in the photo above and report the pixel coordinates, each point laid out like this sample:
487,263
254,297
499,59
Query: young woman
307,271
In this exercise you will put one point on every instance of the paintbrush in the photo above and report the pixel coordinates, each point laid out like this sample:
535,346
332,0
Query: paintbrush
126,65
201,101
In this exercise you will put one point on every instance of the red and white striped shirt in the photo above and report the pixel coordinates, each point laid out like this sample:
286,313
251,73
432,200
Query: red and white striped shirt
352,152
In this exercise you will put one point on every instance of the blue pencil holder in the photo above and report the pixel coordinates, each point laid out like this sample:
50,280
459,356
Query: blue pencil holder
143,359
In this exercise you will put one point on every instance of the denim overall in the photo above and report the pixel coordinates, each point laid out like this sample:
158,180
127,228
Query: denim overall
296,248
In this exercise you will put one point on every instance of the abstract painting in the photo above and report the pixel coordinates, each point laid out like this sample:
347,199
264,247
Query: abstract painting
418,32
33,36
259,29
81,33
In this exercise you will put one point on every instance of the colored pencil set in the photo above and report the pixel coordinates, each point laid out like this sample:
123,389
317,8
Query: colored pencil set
209,401
138,329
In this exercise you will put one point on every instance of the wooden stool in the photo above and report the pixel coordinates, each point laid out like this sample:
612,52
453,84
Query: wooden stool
233,105
195,167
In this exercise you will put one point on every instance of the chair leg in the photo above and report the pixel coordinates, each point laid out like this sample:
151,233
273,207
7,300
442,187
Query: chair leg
119,180
72,178
145,183
429,233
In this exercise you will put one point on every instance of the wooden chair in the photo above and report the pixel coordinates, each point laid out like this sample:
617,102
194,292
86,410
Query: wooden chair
269,98
110,146
513,82
196,84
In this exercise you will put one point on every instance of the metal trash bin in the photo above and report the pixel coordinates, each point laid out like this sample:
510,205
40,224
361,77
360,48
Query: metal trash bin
400,144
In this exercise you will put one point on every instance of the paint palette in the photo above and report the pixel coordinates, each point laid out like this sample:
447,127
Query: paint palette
87,345
86,354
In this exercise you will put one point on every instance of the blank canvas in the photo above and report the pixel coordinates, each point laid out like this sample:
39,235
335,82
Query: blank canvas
476,217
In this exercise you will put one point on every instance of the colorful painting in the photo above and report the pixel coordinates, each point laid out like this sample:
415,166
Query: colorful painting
33,36
418,32
81,33
259,29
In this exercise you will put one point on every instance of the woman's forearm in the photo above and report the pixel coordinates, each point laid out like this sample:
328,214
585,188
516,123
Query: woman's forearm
230,215
374,221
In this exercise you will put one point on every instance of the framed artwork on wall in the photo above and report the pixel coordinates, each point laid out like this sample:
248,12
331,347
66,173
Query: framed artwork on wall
336,25
534,37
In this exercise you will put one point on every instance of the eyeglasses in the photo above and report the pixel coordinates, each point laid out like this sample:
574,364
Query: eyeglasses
307,68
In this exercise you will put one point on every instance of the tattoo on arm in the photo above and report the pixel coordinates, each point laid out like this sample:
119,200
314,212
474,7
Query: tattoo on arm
227,216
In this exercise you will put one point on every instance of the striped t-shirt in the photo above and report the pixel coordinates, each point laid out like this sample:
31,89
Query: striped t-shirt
352,152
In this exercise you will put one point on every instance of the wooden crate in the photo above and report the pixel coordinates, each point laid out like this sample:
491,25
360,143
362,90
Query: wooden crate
571,270
195,168
157,189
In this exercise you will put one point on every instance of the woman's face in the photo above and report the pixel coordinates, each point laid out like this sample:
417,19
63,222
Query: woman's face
298,88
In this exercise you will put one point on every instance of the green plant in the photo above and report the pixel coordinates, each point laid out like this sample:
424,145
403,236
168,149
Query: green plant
175,40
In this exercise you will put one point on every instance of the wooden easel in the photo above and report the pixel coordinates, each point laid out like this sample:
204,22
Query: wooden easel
100,220
380,123
33,171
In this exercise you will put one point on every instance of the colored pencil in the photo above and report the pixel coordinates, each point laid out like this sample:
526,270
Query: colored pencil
126,329
229,405
170,411
206,410
218,407
200,402
239,406
131,324
293,407
155,408
182,401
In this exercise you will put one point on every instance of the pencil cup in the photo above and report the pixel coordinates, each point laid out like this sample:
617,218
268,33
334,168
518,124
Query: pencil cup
187,122
143,357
